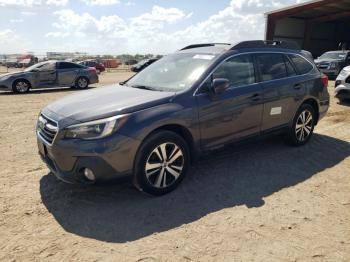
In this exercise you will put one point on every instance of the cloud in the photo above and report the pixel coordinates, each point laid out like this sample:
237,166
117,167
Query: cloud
11,42
16,20
31,3
101,2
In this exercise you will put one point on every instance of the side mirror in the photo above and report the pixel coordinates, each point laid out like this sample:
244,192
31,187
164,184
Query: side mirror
219,85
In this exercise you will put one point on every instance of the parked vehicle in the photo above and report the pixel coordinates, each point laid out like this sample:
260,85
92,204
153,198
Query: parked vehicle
342,84
200,98
49,74
91,63
131,62
143,64
331,63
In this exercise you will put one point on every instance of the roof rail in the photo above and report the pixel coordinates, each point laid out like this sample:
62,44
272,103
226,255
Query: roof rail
203,45
266,44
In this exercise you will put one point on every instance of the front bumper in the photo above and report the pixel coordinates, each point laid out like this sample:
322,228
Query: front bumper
110,158
342,91
330,72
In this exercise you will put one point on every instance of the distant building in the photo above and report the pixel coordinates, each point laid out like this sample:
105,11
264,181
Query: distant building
64,55
317,25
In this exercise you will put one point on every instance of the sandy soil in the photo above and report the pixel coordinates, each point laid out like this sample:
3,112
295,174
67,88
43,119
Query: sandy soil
257,201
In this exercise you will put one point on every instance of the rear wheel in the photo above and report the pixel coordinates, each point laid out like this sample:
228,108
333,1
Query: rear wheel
82,83
303,126
161,163
21,86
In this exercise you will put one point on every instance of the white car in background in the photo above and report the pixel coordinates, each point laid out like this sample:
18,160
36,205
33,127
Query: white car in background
342,84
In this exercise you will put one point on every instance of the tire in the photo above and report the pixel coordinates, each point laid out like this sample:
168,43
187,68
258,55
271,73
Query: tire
82,82
21,86
154,176
303,126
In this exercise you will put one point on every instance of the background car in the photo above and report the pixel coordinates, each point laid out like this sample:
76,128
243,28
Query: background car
342,84
49,74
331,63
91,63
143,64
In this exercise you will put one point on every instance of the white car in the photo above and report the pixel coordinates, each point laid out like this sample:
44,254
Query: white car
342,84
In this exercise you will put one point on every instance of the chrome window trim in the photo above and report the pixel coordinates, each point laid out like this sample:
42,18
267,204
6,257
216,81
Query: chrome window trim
255,52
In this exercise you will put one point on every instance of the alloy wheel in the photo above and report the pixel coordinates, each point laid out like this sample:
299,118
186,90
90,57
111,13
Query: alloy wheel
304,125
164,165
82,83
22,86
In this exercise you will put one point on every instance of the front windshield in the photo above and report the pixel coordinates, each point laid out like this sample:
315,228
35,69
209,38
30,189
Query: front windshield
334,55
36,66
176,72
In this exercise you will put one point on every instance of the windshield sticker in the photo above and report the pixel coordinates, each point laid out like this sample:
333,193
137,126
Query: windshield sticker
204,57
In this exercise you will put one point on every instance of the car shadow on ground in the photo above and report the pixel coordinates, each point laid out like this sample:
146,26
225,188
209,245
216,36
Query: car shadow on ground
45,90
238,175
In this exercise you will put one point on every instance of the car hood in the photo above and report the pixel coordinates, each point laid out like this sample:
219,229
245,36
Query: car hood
103,102
13,74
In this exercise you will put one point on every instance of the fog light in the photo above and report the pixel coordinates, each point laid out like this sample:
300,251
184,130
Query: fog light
89,174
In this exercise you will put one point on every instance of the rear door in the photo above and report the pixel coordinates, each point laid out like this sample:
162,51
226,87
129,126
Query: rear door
235,113
67,73
282,89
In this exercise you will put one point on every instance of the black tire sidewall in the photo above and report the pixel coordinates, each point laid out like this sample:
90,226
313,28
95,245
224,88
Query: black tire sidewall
292,135
140,179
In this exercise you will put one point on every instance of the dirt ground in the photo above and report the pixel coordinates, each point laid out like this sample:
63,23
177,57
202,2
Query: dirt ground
258,201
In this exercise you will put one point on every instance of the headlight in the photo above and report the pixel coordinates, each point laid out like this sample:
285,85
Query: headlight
94,129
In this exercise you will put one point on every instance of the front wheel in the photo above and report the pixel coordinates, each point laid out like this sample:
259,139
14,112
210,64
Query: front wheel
161,163
21,86
303,126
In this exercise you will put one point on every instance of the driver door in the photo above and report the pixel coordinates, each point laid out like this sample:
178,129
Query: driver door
235,113
47,74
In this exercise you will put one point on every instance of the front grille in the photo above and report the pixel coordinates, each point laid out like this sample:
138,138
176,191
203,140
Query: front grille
47,129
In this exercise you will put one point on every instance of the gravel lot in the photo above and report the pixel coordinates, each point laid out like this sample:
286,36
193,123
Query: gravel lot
256,201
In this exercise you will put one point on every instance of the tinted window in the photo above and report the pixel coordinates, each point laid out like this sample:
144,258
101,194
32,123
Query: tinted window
66,65
239,70
290,68
301,64
271,66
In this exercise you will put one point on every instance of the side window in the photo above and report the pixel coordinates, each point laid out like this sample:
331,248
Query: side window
47,67
271,66
289,66
239,70
301,64
66,65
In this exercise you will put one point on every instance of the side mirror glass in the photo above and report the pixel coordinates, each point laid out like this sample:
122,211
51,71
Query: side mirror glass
219,85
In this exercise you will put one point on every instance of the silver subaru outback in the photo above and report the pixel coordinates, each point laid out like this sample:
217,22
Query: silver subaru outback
49,74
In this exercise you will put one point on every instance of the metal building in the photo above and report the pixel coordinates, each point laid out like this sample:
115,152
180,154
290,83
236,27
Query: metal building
317,26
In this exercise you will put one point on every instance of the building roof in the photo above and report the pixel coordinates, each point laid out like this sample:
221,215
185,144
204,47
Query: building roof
316,10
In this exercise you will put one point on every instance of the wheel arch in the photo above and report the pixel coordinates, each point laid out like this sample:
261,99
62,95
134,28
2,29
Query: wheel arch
22,79
313,102
180,130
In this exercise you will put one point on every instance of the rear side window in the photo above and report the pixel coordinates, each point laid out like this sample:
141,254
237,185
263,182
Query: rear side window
289,66
301,64
66,65
239,70
271,66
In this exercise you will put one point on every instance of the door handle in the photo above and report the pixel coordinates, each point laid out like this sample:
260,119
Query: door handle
298,86
255,97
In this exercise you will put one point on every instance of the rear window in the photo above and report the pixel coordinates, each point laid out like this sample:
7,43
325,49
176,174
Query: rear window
301,64
271,66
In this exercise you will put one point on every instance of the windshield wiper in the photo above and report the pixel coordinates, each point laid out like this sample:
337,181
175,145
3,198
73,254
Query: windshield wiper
142,87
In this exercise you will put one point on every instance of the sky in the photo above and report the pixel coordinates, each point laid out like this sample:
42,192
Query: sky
128,26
